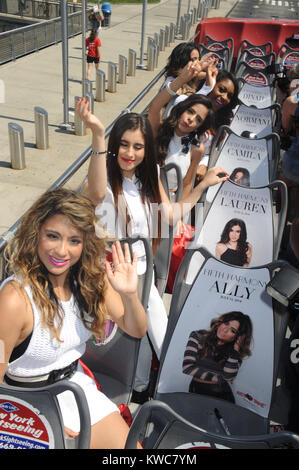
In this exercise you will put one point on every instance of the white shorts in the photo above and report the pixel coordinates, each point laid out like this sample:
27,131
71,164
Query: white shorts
99,405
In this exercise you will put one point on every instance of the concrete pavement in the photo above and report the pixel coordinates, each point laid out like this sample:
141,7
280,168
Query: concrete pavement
36,80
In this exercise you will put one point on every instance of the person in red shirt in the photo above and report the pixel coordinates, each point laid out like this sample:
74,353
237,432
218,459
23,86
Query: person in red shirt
93,45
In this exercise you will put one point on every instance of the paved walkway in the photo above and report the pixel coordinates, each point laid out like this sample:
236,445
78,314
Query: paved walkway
36,80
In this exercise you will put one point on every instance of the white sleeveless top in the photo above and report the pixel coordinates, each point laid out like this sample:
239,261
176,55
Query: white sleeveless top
44,353
141,217
181,159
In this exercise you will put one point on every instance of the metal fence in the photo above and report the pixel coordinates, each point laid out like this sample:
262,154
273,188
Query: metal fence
22,41
35,8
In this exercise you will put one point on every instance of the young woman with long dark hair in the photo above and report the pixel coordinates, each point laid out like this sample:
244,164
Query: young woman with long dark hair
213,357
178,137
128,195
224,98
233,247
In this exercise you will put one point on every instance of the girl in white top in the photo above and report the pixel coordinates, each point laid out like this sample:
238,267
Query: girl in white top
223,95
61,293
182,53
178,137
130,179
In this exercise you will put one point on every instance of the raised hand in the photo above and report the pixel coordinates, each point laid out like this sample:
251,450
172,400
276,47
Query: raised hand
188,72
212,72
123,277
201,67
89,119
204,62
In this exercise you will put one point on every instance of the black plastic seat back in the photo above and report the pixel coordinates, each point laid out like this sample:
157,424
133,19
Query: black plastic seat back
255,76
261,211
31,418
163,254
256,122
260,96
214,46
256,160
114,362
254,61
205,289
256,49
170,430
223,55
287,56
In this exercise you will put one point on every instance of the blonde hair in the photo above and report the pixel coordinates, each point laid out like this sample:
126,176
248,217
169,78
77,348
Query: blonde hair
86,278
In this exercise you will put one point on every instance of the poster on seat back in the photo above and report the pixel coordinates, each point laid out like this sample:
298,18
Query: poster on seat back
253,95
238,228
257,121
223,342
246,161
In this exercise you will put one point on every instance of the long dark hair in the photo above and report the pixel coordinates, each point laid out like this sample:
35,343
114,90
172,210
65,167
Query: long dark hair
242,244
224,115
245,177
210,339
179,57
93,35
167,128
146,172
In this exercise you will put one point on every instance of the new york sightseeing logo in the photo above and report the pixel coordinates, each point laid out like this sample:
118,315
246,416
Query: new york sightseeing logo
22,426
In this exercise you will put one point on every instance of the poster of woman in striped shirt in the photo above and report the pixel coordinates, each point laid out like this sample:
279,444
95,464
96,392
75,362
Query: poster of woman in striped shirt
213,357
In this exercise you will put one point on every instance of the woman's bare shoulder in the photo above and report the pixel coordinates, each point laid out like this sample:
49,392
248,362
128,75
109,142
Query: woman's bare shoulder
221,246
13,297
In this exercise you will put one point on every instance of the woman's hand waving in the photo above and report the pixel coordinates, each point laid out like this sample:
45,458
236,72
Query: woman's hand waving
123,278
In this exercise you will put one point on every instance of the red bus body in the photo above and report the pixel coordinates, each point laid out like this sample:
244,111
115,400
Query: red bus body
256,31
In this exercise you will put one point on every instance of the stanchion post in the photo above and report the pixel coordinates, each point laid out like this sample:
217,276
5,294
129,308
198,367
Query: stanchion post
150,42
41,128
100,85
79,126
162,40
156,39
156,55
132,63
167,36
172,33
112,72
122,69
16,145
88,86
90,98
151,58
184,29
